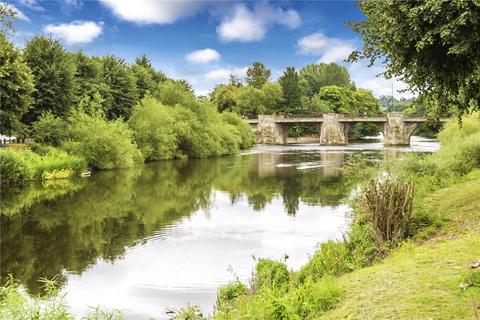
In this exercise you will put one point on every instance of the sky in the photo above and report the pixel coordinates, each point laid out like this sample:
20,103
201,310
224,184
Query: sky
204,42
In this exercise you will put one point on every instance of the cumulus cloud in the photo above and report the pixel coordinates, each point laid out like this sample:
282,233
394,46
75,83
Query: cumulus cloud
20,15
222,74
246,25
328,49
76,32
152,11
203,56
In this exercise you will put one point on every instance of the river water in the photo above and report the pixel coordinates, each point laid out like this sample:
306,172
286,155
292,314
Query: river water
150,239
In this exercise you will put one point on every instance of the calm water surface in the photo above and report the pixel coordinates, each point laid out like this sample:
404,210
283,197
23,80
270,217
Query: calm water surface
156,237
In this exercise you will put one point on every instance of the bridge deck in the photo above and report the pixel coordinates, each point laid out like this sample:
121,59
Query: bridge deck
346,119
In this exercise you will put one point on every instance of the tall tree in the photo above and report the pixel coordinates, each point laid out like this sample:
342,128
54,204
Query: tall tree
16,87
431,45
318,75
53,72
291,91
224,97
257,75
121,82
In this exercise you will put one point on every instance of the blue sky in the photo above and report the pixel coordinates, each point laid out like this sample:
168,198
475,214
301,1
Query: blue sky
204,41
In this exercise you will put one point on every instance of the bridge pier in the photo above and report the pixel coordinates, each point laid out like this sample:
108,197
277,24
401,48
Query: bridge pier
270,132
333,132
396,131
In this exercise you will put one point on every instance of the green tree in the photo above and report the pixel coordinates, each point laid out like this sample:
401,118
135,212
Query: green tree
318,75
53,72
365,102
121,83
250,100
291,92
273,97
49,129
16,87
223,97
257,75
336,99
430,45
143,61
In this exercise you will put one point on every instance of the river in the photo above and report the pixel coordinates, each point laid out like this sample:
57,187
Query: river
153,238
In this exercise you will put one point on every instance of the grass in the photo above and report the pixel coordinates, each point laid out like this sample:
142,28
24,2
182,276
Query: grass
423,281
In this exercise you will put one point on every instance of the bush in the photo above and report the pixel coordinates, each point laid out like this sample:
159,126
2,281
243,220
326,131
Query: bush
243,128
104,144
14,168
332,259
49,129
229,293
460,146
189,313
389,201
154,129
312,299
271,274
21,166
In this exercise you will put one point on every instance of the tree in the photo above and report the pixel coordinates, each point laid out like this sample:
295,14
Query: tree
257,75
428,44
315,76
121,83
53,71
336,99
224,97
250,100
365,102
273,97
144,80
16,87
235,80
290,89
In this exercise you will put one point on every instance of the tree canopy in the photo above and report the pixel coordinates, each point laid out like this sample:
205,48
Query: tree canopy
291,90
317,75
431,45
257,75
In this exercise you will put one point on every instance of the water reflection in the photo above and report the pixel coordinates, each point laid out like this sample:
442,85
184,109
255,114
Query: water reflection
166,233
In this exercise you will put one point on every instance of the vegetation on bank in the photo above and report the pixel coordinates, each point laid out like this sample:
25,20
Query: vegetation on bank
337,282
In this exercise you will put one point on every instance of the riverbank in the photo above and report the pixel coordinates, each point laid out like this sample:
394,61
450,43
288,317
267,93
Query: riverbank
422,279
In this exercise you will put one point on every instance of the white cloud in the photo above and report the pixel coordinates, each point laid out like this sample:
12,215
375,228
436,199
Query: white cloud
152,11
328,49
246,26
221,74
30,4
370,78
203,56
76,32
18,12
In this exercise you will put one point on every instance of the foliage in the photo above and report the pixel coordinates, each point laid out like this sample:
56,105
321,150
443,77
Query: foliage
244,131
16,88
224,97
189,313
104,144
49,129
460,146
53,73
428,45
271,274
20,166
57,174
257,75
273,99
173,93
315,76
314,298
153,129
229,293
121,84
291,90
389,201
336,99
14,168
332,259
250,100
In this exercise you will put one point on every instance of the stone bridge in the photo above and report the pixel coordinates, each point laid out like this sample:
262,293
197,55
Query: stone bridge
333,127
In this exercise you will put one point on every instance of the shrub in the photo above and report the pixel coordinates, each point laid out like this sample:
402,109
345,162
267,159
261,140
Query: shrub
153,129
389,201
243,128
189,313
104,144
271,274
57,174
332,259
314,298
230,292
362,243
49,129
14,168
460,146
